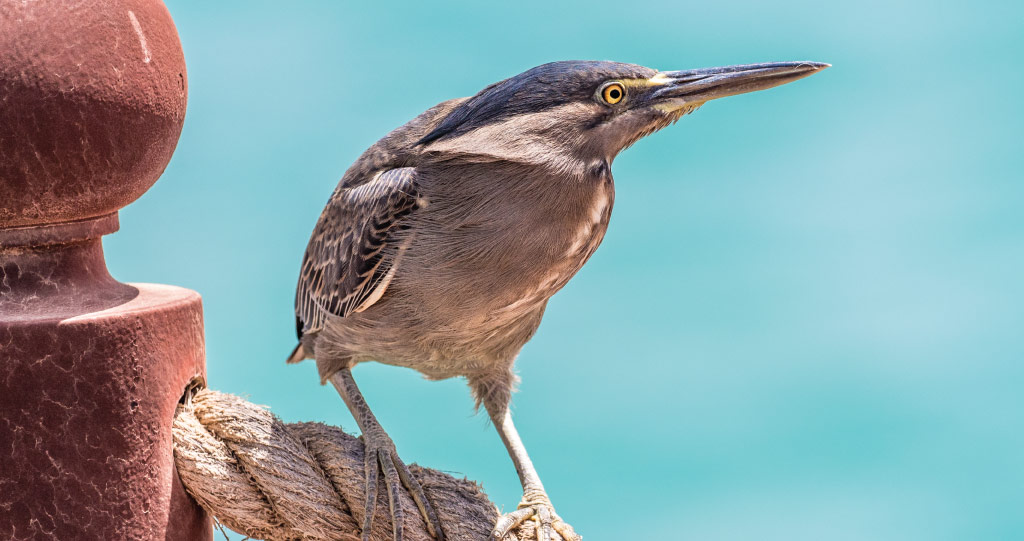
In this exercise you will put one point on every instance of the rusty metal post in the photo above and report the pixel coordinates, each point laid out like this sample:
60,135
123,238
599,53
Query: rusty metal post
92,101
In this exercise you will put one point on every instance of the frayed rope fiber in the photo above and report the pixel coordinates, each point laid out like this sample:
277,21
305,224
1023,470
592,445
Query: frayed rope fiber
281,481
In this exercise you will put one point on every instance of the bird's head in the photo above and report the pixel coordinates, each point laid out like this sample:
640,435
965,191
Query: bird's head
571,113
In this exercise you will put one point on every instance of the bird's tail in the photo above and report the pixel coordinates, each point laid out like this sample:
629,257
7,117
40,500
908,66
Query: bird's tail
298,354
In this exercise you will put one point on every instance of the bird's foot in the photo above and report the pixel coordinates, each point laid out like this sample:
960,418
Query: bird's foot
381,457
546,524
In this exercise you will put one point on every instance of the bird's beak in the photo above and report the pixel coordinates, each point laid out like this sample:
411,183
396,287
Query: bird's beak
680,89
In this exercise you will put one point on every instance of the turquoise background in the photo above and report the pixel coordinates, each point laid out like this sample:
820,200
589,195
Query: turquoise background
805,321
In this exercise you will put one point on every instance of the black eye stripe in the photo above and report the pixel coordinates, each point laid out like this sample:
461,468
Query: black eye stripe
535,90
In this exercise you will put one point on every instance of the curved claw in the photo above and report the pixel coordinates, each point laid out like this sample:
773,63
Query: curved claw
396,476
393,483
566,531
380,455
509,521
550,527
420,497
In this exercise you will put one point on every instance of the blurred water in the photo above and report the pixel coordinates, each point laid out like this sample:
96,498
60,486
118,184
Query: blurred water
804,322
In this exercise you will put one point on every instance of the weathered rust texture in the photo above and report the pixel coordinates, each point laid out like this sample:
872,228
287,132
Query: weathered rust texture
92,101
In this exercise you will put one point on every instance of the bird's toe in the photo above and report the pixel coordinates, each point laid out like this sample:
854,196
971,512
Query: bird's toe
381,457
533,521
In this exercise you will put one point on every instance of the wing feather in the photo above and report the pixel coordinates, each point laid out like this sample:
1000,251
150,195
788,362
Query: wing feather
348,263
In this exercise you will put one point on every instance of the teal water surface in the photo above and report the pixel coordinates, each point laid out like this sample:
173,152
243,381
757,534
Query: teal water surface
804,323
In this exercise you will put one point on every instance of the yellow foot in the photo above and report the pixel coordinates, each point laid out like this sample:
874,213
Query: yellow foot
547,525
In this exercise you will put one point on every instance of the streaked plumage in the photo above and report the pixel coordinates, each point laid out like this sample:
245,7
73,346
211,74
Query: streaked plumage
345,264
442,244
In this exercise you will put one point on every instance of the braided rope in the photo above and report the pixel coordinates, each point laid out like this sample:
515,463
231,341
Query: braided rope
270,480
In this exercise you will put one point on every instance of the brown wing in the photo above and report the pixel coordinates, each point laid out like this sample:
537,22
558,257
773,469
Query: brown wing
346,262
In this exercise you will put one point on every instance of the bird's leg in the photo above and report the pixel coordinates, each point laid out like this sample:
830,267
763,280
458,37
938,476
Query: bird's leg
535,501
380,455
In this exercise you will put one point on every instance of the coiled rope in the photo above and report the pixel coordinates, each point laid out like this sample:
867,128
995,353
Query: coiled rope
282,481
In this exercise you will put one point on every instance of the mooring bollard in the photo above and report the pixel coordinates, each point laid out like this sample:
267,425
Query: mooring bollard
92,101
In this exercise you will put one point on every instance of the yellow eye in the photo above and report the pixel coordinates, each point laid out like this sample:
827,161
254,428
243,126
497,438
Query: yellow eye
613,93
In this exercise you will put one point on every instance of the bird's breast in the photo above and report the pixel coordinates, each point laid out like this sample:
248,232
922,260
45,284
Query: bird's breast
486,243
568,242
479,272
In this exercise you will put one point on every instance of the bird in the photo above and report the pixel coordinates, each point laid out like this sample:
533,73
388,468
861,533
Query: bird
441,245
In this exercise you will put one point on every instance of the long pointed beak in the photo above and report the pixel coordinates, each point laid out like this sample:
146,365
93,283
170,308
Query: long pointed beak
688,87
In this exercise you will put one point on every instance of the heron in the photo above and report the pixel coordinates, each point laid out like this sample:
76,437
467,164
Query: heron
442,244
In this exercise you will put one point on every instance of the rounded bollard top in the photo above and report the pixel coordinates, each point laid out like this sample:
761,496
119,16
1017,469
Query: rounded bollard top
92,101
